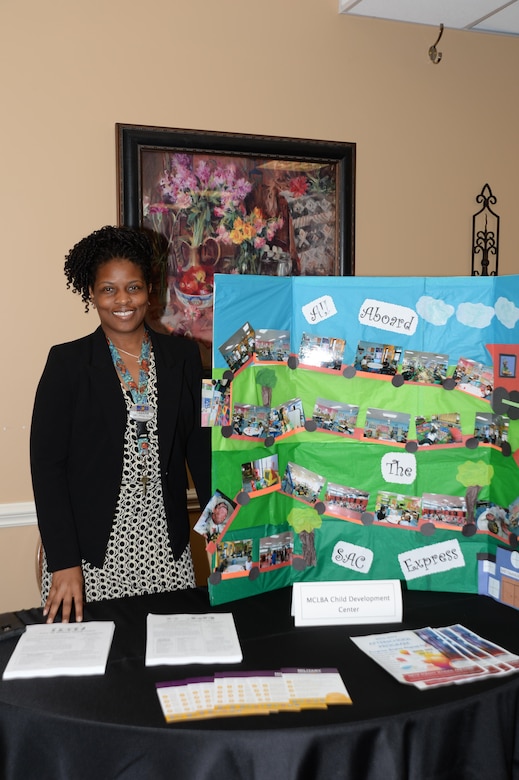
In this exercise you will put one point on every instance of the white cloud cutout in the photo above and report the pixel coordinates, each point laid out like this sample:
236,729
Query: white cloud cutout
474,315
506,312
434,310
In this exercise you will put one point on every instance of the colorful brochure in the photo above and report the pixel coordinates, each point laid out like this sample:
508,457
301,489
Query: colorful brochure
429,657
231,694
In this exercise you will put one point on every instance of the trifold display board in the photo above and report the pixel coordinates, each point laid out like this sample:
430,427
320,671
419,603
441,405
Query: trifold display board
363,428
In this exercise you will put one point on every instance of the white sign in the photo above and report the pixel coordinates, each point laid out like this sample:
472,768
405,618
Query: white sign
352,556
399,467
337,603
319,310
432,559
388,316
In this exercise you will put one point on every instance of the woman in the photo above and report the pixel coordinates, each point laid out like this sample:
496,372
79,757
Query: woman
116,417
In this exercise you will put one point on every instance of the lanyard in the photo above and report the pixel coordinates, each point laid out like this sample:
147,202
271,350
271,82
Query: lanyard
140,410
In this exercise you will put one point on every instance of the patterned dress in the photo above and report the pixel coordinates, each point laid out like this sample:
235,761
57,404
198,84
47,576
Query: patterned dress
138,557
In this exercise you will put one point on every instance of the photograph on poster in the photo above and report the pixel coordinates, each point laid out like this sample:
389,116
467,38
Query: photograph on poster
424,367
474,377
260,475
234,558
335,416
287,417
376,358
384,425
397,509
239,348
262,421
272,346
216,402
302,483
437,429
513,516
276,550
215,516
321,351
347,502
444,511
494,519
249,420
491,428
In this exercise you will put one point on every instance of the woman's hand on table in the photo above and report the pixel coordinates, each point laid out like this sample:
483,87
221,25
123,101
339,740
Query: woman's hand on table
66,589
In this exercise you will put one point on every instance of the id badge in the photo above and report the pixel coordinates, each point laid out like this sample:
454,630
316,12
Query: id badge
141,412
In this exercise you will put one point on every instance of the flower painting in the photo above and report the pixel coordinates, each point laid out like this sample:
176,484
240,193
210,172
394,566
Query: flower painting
220,210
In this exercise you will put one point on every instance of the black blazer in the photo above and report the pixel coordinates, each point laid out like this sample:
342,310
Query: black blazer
77,440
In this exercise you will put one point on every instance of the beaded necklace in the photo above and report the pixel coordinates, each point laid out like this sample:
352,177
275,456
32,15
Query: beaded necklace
140,411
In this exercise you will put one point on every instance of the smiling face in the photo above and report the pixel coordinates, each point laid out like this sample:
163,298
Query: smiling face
220,513
120,294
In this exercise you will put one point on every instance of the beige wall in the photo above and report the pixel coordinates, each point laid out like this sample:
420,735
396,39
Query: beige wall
428,137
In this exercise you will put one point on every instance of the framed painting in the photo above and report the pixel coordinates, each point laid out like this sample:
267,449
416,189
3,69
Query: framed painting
228,203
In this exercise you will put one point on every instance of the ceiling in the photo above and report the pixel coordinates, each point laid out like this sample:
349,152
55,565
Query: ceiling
491,16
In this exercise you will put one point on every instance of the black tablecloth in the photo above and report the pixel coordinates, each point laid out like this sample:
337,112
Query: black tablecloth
112,726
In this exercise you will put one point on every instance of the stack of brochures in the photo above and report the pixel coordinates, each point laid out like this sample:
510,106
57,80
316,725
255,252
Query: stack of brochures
56,649
192,639
429,657
231,694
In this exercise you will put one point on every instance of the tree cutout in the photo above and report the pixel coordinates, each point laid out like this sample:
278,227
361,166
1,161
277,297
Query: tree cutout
471,496
472,473
266,377
304,521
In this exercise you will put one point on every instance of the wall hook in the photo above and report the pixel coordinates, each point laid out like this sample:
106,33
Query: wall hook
433,54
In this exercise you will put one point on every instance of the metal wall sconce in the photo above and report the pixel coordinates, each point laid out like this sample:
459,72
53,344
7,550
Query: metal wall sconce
485,234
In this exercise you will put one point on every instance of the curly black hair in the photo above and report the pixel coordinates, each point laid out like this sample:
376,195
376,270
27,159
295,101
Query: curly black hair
108,243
